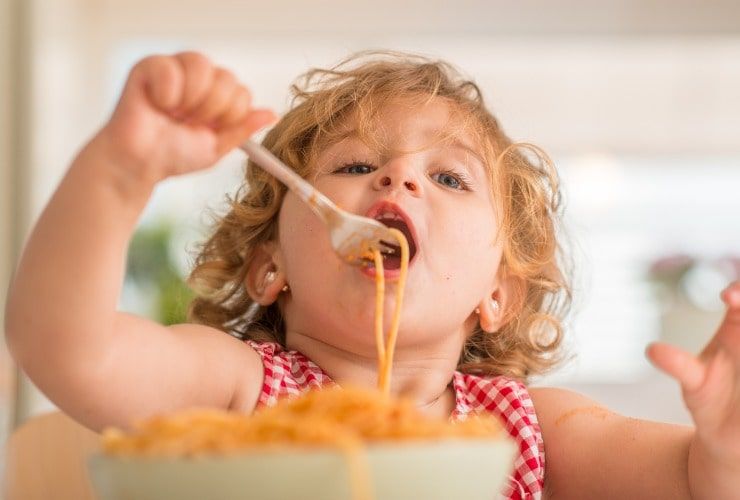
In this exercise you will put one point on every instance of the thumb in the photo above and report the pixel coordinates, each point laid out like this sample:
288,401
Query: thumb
256,120
686,368
157,81
708,386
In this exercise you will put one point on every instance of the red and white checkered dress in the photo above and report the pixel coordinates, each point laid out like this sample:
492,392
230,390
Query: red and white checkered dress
289,373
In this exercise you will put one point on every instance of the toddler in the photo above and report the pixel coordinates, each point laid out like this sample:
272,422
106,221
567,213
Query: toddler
394,137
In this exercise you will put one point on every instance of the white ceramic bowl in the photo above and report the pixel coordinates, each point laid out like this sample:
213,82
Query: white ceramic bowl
444,470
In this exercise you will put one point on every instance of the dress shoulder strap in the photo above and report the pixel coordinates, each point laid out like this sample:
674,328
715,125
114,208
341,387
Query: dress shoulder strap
508,399
287,373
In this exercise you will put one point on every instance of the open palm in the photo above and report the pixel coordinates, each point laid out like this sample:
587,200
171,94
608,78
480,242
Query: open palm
711,380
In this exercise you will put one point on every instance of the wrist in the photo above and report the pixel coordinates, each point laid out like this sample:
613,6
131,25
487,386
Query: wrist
712,473
101,160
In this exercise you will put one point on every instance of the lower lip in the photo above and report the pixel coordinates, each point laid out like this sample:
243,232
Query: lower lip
388,274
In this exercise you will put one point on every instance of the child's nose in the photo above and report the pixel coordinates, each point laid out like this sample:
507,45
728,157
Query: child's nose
386,181
398,178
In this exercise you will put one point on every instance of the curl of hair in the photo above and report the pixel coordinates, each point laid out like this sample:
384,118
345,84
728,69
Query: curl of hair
534,264
523,180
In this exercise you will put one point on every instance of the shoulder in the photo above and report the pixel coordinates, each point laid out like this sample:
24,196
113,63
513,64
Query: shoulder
564,414
578,434
232,362
556,397
556,407
229,349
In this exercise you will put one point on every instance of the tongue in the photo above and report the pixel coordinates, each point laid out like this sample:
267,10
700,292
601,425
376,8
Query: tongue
395,261
392,261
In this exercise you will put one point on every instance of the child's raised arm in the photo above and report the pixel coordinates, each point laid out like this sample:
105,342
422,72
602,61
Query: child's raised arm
177,114
594,453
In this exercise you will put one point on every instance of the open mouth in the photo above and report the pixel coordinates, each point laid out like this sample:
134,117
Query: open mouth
392,216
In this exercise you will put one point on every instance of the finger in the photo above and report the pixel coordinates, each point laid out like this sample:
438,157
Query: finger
731,295
711,401
728,334
679,364
160,79
198,79
256,119
217,100
717,370
237,109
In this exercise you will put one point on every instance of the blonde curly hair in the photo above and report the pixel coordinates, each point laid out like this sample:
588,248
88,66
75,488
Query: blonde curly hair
524,182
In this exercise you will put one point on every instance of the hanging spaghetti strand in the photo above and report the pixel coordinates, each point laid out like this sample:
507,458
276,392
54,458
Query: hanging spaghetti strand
384,377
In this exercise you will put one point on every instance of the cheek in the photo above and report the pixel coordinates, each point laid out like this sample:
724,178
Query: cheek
350,194
464,255
302,236
308,258
466,234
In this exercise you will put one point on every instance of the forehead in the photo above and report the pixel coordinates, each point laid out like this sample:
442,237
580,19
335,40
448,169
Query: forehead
406,124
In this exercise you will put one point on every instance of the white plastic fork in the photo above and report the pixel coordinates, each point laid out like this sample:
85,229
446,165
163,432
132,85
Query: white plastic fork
352,236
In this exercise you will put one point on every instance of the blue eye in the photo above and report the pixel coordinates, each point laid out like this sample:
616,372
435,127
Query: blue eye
355,169
450,180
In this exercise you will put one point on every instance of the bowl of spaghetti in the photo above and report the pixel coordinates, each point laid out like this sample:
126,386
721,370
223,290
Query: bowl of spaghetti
327,444
333,443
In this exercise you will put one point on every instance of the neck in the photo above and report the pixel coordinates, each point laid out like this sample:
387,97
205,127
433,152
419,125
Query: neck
421,375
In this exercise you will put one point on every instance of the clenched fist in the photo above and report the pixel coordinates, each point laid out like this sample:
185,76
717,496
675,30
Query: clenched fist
178,114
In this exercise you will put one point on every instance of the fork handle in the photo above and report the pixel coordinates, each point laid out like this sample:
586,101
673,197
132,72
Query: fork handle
305,191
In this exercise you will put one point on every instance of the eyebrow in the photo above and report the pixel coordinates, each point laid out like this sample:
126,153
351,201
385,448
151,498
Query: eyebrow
455,142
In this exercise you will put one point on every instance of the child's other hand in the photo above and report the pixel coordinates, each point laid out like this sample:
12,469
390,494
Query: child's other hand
711,381
178,114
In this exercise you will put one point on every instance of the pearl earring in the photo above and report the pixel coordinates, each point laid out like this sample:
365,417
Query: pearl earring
495,305
286,288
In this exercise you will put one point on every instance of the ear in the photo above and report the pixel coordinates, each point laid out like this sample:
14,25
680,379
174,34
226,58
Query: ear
265,279
494,309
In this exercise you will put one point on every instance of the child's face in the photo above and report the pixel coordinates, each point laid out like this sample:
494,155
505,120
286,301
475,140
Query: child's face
443,190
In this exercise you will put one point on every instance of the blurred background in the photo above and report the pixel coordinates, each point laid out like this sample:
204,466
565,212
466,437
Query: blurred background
637,101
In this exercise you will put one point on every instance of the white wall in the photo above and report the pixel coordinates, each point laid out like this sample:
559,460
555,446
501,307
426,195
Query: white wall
634,78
